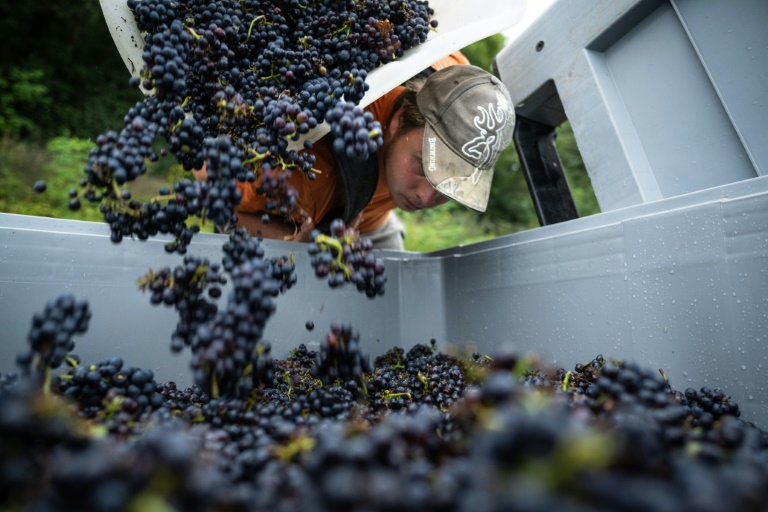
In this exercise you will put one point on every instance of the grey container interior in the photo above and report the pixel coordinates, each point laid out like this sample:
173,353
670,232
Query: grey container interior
664,97
673,274
679,284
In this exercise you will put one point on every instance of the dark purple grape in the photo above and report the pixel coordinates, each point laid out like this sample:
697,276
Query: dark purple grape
343,257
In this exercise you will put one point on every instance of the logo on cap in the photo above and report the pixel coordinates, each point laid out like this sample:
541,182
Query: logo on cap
432,143
491,138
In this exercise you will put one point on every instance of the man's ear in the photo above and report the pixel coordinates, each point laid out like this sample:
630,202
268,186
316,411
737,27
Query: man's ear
395,121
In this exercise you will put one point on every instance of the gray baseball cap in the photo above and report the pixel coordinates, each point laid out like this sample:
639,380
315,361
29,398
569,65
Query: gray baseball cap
469,122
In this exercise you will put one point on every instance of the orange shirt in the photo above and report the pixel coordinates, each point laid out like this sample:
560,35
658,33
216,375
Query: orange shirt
323,195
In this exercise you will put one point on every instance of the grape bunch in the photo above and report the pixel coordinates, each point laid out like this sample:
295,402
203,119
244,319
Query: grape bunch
226,342
224,347
190,280
150,16
121,157
231,84
355,131
185,288
421,375
341,356
218,196
215,198
51,335
281,196
128,391
167,215
241,247
165,61
344,257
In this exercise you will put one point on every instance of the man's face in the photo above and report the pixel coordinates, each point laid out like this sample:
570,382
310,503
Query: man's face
405,175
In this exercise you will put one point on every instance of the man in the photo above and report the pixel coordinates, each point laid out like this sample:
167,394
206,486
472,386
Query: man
442,137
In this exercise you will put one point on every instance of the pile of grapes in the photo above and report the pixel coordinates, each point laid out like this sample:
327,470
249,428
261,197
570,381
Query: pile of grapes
331,430
230,85
233,82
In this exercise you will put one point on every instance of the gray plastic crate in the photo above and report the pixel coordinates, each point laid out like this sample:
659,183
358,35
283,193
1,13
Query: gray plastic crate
664,97
41,258
679,284
671,276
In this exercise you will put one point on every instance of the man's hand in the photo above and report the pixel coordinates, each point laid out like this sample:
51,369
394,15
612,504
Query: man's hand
200,174
303,234
277,228
354,223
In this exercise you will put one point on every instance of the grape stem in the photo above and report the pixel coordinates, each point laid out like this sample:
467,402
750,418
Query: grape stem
253,21
566,379
113,406
47,378
330,241
160,199
301,445
116,189
214,386
257,158
389,396
287,379
194,34
344,28
119,204
365,388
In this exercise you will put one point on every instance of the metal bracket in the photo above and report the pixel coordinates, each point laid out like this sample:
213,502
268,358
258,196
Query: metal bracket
543,171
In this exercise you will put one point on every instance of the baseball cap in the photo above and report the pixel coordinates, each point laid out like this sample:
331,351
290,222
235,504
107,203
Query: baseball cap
469,122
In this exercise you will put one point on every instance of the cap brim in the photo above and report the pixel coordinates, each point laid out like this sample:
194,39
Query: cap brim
453,176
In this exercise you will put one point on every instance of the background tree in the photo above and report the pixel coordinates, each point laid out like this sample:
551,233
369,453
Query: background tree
64,54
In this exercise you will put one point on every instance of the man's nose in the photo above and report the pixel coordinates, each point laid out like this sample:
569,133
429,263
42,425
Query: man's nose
430,197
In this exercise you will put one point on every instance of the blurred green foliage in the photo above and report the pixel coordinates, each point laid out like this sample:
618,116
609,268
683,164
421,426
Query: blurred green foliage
65,46
59,163
21,91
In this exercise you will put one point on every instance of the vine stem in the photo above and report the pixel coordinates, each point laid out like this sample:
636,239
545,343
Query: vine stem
566,379
47,379
327,240
194,34
253,21
214,386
